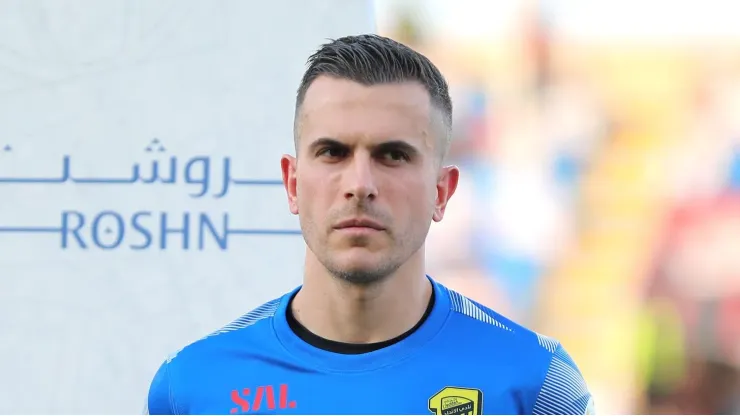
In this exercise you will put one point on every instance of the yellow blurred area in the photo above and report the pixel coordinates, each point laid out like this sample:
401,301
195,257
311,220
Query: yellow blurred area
653,125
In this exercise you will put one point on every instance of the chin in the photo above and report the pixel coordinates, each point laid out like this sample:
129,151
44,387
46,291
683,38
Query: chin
361,268
359,259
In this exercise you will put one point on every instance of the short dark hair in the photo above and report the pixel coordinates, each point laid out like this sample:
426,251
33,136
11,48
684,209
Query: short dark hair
370,60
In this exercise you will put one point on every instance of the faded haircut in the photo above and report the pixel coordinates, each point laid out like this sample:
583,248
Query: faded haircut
371,60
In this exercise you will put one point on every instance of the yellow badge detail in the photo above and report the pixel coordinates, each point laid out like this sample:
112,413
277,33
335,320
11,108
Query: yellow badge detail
457,401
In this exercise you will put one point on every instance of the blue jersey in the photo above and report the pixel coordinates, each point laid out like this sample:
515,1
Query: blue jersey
464,359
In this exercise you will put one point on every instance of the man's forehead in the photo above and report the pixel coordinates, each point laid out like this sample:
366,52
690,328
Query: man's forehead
378,106
329,92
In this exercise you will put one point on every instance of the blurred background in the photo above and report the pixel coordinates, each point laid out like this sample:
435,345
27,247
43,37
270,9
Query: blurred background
600,202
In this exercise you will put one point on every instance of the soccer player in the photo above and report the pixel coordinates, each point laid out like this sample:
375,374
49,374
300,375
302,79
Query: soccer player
368,332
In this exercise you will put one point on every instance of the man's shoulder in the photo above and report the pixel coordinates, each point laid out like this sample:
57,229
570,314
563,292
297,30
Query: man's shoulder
544,366
494,327
242,333
207,363
496,332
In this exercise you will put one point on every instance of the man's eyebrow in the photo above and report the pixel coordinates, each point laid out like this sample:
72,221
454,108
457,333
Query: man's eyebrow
397,145
325,142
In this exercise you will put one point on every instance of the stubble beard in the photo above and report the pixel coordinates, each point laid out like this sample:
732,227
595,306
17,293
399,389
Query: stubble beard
365,276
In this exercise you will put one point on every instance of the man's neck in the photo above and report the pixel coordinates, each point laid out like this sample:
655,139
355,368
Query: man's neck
341,311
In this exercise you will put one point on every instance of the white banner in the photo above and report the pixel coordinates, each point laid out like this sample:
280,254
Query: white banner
141,201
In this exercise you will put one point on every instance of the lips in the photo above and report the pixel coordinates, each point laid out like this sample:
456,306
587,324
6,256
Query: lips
359,223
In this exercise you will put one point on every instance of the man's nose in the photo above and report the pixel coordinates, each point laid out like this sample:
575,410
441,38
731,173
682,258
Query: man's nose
360,179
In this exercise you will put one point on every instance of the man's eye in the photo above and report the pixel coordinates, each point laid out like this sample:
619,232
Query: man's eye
333,152
396,156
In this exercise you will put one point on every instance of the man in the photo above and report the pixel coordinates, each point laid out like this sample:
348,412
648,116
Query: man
369,332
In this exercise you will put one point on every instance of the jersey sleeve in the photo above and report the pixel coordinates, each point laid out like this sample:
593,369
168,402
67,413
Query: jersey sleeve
159,400
564,390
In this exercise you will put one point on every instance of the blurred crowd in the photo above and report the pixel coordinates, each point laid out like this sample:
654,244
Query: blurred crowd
600,199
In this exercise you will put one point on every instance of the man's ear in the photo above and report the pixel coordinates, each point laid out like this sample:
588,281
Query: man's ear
446,186
288,165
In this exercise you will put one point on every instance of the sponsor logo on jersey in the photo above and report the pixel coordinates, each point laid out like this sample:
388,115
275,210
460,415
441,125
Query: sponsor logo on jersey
457,401
262,398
